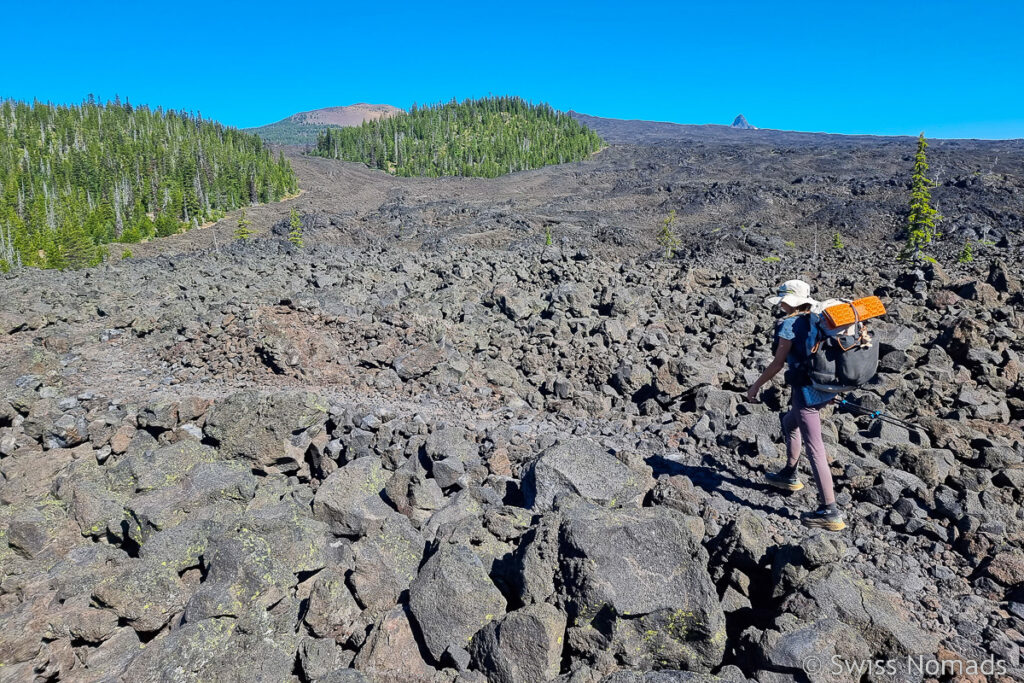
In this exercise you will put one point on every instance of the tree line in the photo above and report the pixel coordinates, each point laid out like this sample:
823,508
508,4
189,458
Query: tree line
74,178
486,137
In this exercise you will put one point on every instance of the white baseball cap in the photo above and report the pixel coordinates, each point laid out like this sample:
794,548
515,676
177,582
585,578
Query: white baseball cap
793,293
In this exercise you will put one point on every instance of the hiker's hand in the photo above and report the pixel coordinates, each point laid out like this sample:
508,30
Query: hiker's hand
752,395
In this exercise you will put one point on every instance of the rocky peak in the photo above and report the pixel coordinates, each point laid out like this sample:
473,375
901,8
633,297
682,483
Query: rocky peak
741,122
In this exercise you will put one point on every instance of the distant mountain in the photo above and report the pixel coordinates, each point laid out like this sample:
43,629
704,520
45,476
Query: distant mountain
301,128
741,122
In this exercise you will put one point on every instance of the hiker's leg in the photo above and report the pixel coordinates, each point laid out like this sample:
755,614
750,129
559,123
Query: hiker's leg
810,428
791,430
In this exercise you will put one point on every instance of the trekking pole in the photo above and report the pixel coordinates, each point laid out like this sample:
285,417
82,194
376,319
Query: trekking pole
879,415
884,417
875,414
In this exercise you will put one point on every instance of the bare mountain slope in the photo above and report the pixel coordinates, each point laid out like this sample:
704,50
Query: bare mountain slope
351,115
301,128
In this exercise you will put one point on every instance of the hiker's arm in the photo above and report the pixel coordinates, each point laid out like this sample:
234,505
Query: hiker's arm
773,368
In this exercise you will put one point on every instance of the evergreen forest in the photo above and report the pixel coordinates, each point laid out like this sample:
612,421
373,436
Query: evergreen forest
74,178
486,137
290,132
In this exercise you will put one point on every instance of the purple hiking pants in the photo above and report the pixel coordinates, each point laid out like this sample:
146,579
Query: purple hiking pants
803,423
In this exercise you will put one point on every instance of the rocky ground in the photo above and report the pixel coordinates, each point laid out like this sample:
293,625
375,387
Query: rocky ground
428,447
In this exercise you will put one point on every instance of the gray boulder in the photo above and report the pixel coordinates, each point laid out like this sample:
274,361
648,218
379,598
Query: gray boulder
332,610
647,570
391,652
145,593
525,645
452,599
418,362
211,649
350,499
243,578
386,562
220,488
294,537
321,656
261,429
744,542
583,468
452,442
881,616
823,639
159,468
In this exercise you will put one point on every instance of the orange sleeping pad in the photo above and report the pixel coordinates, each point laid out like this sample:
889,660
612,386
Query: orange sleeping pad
842,315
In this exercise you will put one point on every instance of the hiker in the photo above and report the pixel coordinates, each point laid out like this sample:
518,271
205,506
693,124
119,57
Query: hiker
794,337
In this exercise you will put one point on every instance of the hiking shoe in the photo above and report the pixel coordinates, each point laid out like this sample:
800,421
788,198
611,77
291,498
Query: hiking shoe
781,481
823,518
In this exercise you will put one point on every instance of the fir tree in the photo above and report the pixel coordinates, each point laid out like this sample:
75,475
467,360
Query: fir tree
667,237
967,253
921,223
295,234
244,229
164,225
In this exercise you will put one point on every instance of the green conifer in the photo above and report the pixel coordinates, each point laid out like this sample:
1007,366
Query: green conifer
667,237
295,234
921,223
967,253
244,229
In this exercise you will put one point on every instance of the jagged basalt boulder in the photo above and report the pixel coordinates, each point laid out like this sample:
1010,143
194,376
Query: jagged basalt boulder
452,598
636,583
262,429
881,617
524,645
585,469
350,499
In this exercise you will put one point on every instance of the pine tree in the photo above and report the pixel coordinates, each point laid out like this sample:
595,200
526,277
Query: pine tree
667,237
295,234
74,249
837,241
921,223
243,231
967,253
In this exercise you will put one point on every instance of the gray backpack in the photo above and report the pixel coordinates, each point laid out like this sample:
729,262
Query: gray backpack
842,360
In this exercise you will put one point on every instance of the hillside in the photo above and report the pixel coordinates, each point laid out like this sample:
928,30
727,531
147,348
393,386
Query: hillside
73,178
435,445
484,138
302,128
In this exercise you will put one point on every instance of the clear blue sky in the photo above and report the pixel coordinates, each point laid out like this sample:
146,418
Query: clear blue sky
952,69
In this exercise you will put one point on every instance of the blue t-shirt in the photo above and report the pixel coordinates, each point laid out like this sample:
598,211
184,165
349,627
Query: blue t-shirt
796,328
802,330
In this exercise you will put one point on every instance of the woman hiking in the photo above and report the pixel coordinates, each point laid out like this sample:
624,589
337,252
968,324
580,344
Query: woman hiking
794,338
